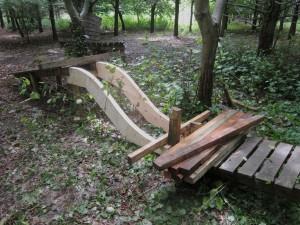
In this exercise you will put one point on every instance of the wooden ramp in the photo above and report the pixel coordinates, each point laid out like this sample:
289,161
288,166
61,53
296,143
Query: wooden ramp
264,163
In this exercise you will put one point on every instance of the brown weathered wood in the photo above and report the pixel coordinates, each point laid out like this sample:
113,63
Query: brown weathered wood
222,153
272,165
233,162
257,158
174,126
208,127
237,124
189,165
75,61
290,171
161,141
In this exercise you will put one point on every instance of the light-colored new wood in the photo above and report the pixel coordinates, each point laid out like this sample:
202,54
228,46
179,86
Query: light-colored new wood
174,126
222,153
120,79
117,116
187,127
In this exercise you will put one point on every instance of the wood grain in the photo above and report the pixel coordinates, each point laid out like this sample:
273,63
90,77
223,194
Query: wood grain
233,162
117,116
120,79
257,158
222,153
272,165
234,126
161,141
290,171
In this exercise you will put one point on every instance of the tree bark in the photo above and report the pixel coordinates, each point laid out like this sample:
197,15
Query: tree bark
191,16
39,18
209,27
75,18
152,20
1,19
122,21
255,15
116,20
267,32
224,20
13,21
52,20
293,26
177,2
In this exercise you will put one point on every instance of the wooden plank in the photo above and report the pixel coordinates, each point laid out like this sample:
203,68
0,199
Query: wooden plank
257,158
222,153
233,162
208,127
189,165
117,116
119,78
161,141
235,125
75,61
290,171
272,165
174,126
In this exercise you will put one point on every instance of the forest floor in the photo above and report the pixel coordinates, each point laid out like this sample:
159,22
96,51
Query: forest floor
58,169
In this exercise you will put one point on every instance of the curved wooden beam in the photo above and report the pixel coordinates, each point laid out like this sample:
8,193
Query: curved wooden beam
120,79
117,116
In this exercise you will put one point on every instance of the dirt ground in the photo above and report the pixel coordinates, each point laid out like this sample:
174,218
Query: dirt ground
54,170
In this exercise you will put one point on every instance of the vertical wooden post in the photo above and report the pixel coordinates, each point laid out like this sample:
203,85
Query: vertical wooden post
174,126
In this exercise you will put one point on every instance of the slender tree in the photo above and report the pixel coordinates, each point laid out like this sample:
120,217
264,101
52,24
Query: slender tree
39,17
116,20
1,19
176,20
152,17
122,20
52,20
293,26
255,16
224,21
267,32
209,26
191,15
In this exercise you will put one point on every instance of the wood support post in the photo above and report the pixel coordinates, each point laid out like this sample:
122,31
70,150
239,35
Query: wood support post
174,126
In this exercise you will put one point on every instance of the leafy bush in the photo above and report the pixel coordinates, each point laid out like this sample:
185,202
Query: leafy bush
269,77
63,24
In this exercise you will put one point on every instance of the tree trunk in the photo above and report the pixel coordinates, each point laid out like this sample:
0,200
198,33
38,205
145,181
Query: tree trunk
191,16
116,20
255,15
1,19
293,26
209,27
52,20
224,20
177,2
122,21
267,32
152,21
72,12
13,21
7,17
39,18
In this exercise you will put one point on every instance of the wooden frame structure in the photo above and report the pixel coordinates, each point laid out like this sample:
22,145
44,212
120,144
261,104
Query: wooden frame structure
250,159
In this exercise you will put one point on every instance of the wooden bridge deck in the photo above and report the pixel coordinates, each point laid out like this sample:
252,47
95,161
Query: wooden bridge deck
266,162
